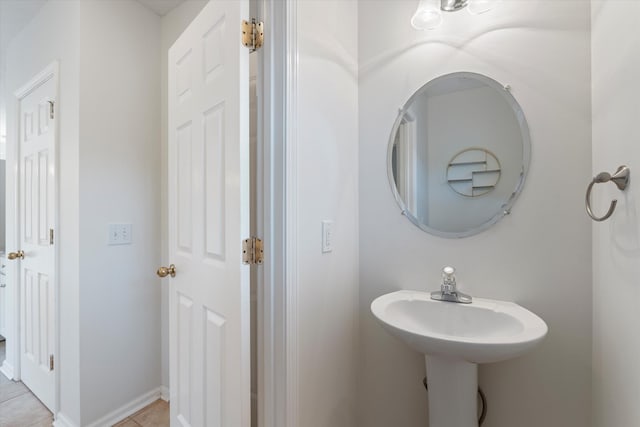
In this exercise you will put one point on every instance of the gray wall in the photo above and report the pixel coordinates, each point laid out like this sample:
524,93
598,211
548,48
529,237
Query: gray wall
616,242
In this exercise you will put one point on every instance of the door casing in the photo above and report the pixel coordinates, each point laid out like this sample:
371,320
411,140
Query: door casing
277,216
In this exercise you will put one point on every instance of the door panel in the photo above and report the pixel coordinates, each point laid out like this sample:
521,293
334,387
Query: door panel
208,217
214,182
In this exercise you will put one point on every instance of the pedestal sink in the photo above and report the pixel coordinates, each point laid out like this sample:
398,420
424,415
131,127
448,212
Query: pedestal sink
455,338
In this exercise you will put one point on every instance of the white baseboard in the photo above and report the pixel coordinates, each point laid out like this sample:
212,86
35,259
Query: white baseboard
62,421
130,408
7,369
164,393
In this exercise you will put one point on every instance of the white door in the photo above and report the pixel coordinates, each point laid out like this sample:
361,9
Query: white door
3,297
37,266
208,217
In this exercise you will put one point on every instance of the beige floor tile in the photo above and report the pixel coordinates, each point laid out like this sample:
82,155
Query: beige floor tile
4,380
154,415
10,389
127,423
45,422
23,410
20,408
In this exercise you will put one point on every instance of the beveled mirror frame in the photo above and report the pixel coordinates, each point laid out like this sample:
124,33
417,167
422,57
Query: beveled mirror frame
505,208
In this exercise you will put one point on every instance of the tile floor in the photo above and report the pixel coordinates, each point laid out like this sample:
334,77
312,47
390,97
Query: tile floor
20,408
154,415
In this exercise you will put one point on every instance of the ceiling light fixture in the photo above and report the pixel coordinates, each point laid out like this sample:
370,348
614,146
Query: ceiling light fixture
428,15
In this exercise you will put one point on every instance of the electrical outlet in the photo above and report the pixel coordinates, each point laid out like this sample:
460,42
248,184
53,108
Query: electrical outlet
327,236
120,234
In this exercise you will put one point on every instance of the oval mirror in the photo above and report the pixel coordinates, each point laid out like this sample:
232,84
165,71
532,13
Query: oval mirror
458,154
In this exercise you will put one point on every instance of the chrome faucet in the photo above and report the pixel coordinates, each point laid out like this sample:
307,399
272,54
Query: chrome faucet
448,290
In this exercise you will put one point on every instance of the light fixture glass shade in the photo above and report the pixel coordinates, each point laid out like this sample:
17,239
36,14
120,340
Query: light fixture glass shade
427,16
476,7
452,5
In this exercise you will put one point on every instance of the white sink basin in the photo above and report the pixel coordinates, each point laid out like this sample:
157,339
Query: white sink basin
454,338
481,332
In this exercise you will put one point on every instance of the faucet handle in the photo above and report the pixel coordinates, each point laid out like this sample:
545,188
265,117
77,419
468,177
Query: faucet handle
448,280
448,289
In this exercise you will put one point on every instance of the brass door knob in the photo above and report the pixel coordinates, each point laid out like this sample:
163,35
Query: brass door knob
16,255
167,271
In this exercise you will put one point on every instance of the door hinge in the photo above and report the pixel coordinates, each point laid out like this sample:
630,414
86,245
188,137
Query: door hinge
51,362
51,236
252,34
51,109
252,251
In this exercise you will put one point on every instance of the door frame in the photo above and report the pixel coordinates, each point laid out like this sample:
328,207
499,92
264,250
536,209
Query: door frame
12,362
277,216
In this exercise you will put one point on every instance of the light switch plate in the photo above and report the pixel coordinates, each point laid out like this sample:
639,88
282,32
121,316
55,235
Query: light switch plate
327,236
120,234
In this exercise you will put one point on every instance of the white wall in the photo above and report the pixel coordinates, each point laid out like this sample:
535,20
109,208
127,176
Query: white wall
3,201
54,35
538,257
327,188
109,109
120,344
616,242
172,24
14,15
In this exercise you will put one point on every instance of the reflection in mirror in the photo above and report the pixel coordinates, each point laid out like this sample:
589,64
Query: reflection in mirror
474,172
458,154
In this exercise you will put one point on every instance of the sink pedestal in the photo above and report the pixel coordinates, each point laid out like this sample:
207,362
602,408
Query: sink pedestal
453,388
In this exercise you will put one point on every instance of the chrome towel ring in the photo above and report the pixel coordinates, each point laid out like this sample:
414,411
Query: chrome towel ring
621,179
